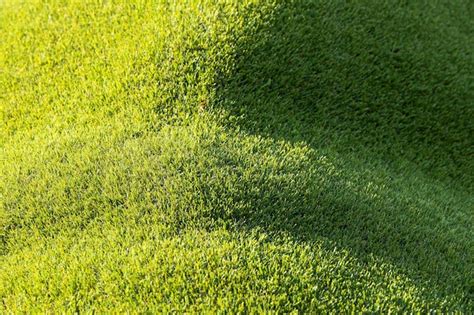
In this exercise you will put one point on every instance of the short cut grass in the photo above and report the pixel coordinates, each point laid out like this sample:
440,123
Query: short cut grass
236,156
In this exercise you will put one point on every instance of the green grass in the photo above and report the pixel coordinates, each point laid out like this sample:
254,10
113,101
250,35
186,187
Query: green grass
236,156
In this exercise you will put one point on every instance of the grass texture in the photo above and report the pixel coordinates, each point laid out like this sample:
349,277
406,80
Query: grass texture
236,156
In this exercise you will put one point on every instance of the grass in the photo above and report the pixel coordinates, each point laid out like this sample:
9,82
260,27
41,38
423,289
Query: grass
236,156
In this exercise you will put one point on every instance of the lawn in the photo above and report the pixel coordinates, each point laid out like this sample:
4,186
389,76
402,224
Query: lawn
236,156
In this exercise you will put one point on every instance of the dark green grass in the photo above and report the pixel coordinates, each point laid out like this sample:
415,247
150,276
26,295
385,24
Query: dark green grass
384,81
287,156
387,88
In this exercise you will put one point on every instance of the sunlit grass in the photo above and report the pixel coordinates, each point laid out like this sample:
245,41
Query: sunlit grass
241,156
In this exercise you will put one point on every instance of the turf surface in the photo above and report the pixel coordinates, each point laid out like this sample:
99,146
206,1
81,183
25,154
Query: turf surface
240,156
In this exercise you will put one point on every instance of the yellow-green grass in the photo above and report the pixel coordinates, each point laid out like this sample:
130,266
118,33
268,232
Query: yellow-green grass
236,156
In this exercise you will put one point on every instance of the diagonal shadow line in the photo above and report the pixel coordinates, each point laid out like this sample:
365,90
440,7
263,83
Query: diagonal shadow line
357,81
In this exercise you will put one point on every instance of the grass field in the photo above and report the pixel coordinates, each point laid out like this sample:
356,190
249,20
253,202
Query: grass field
236,156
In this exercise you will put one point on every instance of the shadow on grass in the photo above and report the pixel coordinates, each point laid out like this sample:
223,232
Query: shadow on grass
380,86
